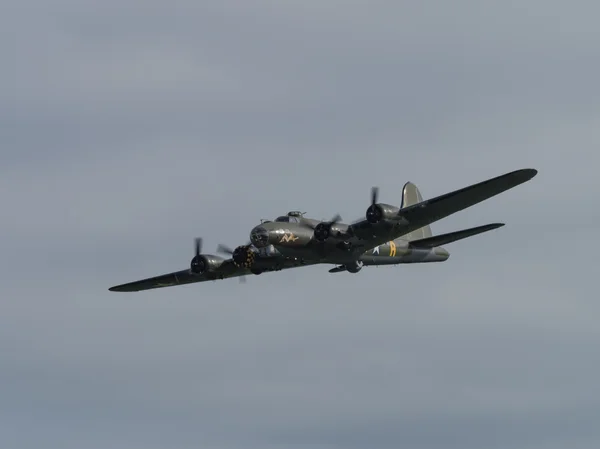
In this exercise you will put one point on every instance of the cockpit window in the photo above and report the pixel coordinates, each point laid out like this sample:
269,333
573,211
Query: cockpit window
282,219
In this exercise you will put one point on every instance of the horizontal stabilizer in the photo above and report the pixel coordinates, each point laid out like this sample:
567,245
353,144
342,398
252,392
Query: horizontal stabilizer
444,239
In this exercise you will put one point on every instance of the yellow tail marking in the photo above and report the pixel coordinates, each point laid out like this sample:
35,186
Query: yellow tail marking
392,249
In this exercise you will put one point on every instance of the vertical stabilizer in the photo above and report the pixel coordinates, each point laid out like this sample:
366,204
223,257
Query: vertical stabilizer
410,196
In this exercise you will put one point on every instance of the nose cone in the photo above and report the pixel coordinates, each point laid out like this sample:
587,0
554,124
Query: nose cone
259,236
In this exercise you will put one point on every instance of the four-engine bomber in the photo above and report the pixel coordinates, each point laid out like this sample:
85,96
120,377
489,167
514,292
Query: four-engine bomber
387,235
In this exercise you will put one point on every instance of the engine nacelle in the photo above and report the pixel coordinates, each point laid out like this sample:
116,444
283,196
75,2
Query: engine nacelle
378,212
325,230
322,231
205,263
243,256
354,267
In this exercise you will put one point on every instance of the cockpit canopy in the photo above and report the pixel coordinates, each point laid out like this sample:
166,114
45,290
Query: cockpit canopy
291,217
287,219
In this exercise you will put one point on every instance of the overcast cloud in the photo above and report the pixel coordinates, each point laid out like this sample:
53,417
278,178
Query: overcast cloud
130,127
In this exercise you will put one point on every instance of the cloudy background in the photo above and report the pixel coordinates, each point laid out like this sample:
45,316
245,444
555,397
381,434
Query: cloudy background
130,127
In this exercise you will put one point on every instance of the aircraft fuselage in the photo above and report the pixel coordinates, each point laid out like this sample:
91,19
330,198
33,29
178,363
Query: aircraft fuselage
296,240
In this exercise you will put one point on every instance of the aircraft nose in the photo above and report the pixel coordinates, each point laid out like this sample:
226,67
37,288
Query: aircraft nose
259,236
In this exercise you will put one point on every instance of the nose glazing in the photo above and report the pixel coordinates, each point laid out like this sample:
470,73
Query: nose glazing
259,236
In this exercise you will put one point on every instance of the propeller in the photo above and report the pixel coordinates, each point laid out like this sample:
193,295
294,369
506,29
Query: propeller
224,249
374,195
335,219
323,229
198,264
374,212
240,255
227,250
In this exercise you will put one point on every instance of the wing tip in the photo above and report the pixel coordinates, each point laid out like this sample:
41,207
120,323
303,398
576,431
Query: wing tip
527,173
121,288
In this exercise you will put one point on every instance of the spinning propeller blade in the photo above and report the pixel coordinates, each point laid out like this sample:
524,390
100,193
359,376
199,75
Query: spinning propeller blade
227,250
224,249
374,195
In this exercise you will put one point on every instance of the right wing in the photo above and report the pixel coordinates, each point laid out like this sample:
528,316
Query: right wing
435,209
179,278
416,216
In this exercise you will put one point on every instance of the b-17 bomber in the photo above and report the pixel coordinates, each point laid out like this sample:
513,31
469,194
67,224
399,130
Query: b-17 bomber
387,235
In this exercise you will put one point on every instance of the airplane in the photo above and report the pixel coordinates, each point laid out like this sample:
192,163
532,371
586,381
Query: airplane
387,235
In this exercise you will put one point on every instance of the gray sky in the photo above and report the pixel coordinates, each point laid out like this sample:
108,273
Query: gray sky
131,127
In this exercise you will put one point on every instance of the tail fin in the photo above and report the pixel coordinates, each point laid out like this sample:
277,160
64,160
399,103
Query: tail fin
411,196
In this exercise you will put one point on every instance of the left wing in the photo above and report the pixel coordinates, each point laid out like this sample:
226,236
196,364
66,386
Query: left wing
411,218
178,278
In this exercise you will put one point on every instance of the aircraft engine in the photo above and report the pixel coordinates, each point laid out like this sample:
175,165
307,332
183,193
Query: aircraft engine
380,211
203,263
354,267
326,229
377,212
243,256
322,231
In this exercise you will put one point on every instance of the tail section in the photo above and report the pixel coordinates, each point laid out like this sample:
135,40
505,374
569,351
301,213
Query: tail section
444,239
423,238
410,197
